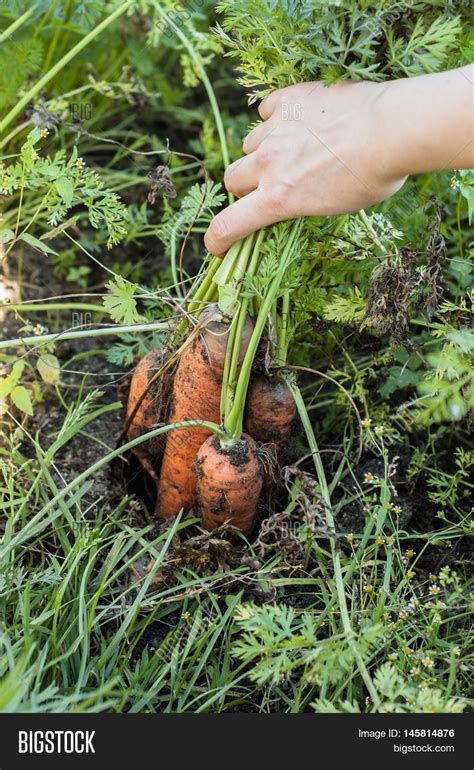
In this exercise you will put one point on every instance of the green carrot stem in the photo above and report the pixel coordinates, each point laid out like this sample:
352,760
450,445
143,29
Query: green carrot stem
228,303
225,389
274,326
283,340
198,292
229,291
234,345
227,264
234,420
211,294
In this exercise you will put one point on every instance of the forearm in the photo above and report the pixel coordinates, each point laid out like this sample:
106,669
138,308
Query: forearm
427,123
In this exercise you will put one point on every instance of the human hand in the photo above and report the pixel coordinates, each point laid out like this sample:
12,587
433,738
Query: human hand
334,150
318,152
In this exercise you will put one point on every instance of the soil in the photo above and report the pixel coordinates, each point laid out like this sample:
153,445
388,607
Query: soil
238,453
80,376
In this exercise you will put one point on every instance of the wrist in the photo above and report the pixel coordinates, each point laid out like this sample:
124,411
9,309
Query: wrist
426,123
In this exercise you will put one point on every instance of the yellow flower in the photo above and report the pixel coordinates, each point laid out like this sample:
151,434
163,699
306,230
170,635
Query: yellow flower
369,477
408,651
455,183
410,574
378,430
410,701
380,540
423,685
366,422
427,662
389,541
80,163
393,656
415,671
185,616
397,509
433,590
350,537
409,553
44,133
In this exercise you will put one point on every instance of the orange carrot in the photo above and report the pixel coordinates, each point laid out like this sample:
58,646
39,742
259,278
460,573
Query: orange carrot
196,396
229,482
270,411
143,417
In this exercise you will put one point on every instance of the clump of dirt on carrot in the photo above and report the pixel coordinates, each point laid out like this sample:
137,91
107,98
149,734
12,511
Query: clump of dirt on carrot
196,396
229,482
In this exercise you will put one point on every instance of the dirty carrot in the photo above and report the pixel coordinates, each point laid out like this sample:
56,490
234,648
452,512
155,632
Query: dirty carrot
145,409
196,396
229,481
270,411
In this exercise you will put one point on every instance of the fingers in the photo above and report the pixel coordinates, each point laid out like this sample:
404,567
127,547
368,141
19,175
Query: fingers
256,136
268,105
245,216
241,177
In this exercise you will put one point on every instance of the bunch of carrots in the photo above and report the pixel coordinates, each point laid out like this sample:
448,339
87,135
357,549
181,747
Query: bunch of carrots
232,313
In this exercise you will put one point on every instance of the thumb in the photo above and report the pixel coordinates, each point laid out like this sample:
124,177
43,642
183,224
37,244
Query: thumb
245,216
